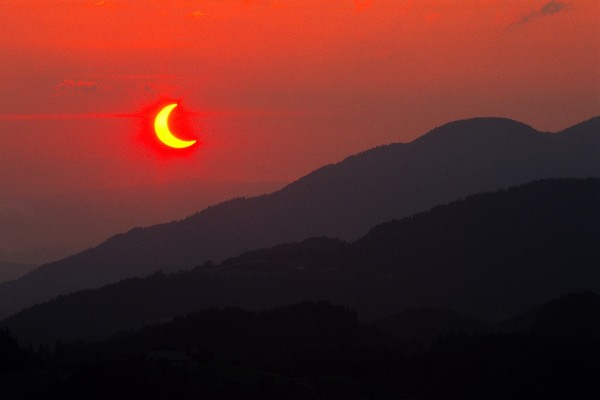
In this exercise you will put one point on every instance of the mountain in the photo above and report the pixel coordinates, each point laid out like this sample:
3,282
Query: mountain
341,200
418,327
488,256
76,220
316,350
287,332
9,270
509,247
232,332
572,315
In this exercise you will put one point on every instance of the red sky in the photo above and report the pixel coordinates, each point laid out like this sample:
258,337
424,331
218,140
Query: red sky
279,87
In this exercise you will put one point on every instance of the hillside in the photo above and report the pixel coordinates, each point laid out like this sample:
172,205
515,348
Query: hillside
316,350
342,201
488,256
10,271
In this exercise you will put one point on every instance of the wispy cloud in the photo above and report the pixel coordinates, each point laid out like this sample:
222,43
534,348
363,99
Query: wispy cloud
70,85
17,117
138,77
227,113
550,8
197,14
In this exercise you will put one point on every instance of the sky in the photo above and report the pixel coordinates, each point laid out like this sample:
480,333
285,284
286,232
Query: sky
271,89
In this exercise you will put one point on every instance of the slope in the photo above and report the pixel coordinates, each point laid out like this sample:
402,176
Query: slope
488,256
341,200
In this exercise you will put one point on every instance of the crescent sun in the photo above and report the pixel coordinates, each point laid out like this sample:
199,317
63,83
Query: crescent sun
161,127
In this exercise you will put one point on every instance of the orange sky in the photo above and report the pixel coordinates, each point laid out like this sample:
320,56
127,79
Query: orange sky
281,87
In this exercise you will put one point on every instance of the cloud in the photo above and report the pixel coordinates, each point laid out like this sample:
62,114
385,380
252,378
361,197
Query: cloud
72,86
150,88
21,117
550,8
127,77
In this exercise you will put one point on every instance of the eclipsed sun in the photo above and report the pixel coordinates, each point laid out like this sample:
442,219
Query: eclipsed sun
164,134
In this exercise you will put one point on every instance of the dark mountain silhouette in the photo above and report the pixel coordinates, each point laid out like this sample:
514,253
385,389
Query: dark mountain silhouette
10,271
488,256
316,350
418,327
519,323
342,200
573,315
511,244
77,220
12,356
264,339
268,338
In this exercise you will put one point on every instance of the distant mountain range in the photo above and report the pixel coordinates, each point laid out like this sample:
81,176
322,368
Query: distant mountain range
341,201
489,256
10,271
74,221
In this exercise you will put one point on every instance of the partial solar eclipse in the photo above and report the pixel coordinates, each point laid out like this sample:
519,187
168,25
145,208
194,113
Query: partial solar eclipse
164,134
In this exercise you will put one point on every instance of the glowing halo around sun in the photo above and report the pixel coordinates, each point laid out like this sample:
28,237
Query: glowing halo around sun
164,134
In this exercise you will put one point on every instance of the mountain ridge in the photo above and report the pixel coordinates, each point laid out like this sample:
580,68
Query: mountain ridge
340,200
516,248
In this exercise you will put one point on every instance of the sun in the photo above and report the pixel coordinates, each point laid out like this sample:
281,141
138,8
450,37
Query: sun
164,134
168,130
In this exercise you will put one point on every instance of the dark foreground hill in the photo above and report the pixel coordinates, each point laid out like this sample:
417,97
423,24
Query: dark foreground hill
488,256
341,200
418,327
315,350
